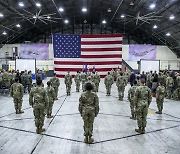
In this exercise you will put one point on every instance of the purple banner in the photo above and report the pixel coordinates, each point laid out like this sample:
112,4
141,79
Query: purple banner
138,52
34,51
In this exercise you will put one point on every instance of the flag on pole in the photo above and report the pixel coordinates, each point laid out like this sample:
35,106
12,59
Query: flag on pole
94,69
72,52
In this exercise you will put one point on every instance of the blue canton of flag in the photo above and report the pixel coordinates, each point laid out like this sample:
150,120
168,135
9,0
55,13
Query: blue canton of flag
67,46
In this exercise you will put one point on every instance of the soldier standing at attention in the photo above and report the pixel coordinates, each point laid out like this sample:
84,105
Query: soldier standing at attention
97,81
83,79
142,100
121,83
39,101
17,91
29,81
51,96
77,79
89,109
131,94
108,81
169,86
55,84
68,83
160,94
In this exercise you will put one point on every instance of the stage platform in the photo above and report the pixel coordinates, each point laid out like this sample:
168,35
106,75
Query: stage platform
113,129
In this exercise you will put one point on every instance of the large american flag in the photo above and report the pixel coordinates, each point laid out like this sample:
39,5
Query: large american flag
73,52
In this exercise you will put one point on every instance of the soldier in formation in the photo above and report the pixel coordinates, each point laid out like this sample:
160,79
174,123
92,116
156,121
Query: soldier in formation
142,100
83,79
77,80
160,94
68,83
108,81
55,84
38,99
121,83
131,94
16,92
169,85
96,80
89,109
89,80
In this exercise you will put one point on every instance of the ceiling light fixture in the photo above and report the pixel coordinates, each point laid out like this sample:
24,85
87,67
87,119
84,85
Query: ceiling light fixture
66,21
109,10
168,34
155,26
21,4
152,6
171,17
122,16
4,33
84,9
1,15
104,21
34,17
131,3
18,25
48,17
38,4
61,9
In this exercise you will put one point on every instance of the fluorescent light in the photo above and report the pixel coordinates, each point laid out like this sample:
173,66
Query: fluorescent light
168,34
109,10
171,17
66,21
155,26
104,21
84,9
61,9
21,4
4,33
152,6
18,25
38,4
1,15
34,17
48,17
122,16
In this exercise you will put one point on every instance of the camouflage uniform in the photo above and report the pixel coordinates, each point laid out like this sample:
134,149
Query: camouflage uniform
68,82
51,97
55,84
96,81
5,79
169,85
17,91
121,83
149,80
113,74
89,80
131,94
160,94
108,81
142,100
176,94
77,79
89,109
83,79
29,82
38,99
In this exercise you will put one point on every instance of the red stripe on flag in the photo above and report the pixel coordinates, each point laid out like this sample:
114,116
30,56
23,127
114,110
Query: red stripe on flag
80,69
62,76
100,42
101,49
87,63
100,35
102,56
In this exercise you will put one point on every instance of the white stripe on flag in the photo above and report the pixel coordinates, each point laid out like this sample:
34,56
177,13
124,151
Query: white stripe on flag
102,46
101,39
102,53
87,60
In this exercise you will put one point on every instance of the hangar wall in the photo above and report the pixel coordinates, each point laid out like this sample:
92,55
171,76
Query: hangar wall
168,60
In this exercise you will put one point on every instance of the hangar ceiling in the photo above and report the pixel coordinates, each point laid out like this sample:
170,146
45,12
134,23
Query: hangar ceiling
141,21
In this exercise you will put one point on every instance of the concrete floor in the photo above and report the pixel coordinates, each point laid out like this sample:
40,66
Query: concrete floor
113,129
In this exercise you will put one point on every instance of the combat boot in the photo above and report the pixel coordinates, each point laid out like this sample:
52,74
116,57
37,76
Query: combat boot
17,111
49,116
38,130
139,130
90,140
158,112
20,111
86,139
41,129
143,130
